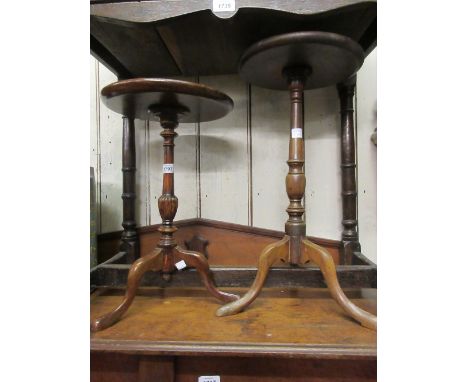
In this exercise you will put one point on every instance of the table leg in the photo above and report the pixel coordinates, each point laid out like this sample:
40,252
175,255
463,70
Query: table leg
269,256
153,262
324,260
350,234
129,240
200,263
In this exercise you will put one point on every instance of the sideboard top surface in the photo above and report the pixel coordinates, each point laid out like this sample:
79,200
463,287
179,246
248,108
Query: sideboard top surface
185,38
282,322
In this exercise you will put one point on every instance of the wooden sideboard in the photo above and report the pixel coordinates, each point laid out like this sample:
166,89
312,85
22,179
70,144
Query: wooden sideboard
287,334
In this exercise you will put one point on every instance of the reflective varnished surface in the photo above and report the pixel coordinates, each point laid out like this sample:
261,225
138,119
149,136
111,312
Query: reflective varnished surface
331,58
293,322
134,99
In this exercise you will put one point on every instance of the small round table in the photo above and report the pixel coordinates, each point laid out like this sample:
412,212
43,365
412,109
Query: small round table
169,102
295,62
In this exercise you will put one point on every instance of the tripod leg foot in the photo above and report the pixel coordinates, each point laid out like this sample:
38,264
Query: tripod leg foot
324,260
200,263
269,256
152,261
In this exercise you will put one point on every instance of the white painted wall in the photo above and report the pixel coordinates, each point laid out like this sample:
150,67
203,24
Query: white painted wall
366,101
212,179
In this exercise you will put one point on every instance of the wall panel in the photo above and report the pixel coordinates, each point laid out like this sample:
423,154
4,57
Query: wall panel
270,137
110,131
142,173
322,163
224,162
366,95
94,160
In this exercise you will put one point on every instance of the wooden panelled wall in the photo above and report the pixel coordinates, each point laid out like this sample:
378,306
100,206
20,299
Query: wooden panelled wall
233,169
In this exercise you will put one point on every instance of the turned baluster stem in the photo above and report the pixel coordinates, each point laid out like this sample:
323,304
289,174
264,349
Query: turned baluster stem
350,235
167,202
129,236
295,227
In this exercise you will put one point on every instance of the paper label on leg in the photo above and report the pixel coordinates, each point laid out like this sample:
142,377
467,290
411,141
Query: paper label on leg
296,133
168,168
209,378
180,265
224,5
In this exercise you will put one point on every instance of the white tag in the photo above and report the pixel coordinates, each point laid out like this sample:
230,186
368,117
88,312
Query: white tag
209,378
180,265
224,5
168,168
296,133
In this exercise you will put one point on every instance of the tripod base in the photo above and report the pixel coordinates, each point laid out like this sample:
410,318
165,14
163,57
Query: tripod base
310,252
155,262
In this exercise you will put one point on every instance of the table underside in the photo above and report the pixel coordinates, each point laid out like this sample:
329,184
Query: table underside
151,39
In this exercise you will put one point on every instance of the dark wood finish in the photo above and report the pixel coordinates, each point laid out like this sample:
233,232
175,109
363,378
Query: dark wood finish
242,369
298,64
349,276
299,335
176,37
233,253
166,101
153,369
129,240
265,62
116,367
229,244
136,98
350,235
198,244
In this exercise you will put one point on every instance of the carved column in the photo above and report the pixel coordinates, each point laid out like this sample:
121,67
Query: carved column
295,227
350,235
167,202
129,240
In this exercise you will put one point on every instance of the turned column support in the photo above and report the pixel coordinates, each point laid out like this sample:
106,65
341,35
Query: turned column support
129,239
295,227
168,202
350,233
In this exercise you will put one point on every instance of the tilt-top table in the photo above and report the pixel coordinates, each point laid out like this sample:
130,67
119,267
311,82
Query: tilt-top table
295,62
169,102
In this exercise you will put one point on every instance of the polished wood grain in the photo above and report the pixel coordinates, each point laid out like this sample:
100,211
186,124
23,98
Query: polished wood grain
286,322
153,261
321,257
299,334
264,62
296,61
192,102
271,255
165,101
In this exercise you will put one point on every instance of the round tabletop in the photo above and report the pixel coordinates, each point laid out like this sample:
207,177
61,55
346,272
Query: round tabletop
331,57
139,98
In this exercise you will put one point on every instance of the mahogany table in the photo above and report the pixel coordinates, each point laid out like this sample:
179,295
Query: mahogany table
169,102
294,62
